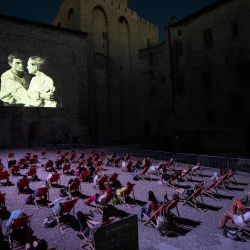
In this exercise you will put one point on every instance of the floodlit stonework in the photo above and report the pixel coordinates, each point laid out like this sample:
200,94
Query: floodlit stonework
115,36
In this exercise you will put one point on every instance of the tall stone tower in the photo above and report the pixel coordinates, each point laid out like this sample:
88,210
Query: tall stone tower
115,35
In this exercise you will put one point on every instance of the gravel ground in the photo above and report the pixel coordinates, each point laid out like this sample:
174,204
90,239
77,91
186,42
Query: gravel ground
203,235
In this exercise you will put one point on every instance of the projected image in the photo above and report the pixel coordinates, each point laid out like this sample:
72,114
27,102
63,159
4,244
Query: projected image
25,83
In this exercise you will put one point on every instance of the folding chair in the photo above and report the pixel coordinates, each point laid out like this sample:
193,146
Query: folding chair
211,190
158,168
48,165
144,175
113,177
123,195
55,178
128,167
22,161
193,199
84,175
117,162
33,161
23,183
42,195
73,156
197,169
32,172
43,155
75,187
186,174
98,170
11,156
67,206
171,181
104,203
4,175
101,181
98,163
153,216
66,168
20,223
15,169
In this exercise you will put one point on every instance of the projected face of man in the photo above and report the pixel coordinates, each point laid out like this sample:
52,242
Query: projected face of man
17,66
32,67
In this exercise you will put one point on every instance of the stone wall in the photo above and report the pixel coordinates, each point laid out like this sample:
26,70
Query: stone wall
211,61
116,33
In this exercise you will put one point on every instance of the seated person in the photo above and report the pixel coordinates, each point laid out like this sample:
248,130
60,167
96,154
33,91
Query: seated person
48,179
14,215
57,207
120,191
98,198
49,165
86,223
240,220
91,168
37,194
242,205
151,206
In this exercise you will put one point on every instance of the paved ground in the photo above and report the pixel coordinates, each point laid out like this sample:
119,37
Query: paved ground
203,233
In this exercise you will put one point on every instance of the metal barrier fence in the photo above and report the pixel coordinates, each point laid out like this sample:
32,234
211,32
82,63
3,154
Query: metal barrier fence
205,160
240,164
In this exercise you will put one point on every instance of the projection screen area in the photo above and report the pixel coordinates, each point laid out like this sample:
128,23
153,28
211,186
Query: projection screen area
26,82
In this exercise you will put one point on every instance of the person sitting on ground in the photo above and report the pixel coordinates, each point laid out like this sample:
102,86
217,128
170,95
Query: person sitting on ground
151,206
240,220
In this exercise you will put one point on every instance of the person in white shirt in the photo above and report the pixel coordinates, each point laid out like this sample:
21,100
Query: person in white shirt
14,83
240,220
41,89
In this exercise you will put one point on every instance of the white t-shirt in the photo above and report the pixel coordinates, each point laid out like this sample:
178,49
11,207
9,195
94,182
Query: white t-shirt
41,84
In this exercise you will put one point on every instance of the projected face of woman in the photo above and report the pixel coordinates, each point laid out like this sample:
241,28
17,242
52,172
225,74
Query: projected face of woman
32,67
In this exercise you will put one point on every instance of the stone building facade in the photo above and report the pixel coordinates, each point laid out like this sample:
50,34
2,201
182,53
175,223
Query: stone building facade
66,56
156,99
210,58
115,36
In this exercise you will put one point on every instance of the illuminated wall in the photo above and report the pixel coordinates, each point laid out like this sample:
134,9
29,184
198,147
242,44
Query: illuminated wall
43,95
115,35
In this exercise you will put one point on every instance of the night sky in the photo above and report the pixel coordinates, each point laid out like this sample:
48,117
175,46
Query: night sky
157,11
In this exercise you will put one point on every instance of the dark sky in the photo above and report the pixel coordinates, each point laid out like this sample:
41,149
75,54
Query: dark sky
157,11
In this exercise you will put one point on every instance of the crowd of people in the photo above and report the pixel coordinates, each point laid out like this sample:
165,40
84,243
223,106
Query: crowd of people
109,189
